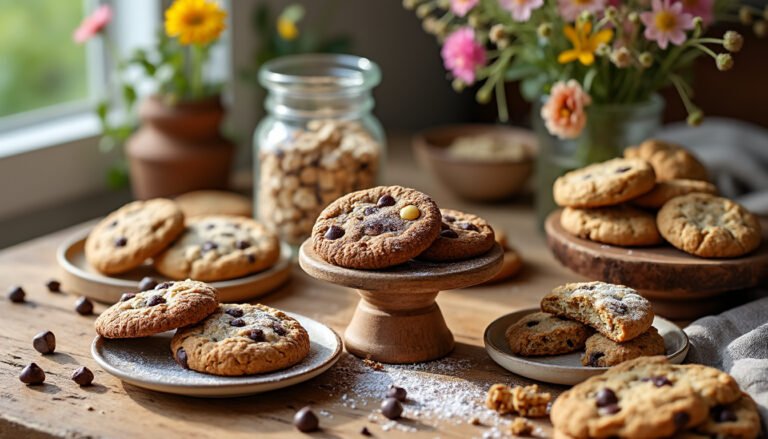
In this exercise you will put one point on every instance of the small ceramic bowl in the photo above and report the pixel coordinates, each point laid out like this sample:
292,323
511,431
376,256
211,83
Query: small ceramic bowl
477,180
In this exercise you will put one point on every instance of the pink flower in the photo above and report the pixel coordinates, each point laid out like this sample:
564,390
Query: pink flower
666,23
570,9
93,24
462,55
700,8
564,113
521,9
461,7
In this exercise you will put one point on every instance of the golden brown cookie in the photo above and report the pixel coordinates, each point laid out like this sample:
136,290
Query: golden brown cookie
208,202
666,190
168,306
376,228
241,339
541,333
604,184
463,236
130,235
669,161
709,226
616,225
737,420
602,352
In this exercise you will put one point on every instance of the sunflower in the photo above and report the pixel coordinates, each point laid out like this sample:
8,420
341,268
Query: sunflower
195,21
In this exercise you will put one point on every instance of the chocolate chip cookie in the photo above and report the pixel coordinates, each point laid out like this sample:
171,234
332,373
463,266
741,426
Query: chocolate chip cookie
615,225
241,339
603,352
219,247
203,203
646,397
669,161
737,420
604,184
709,226
615,311
130,235
462,236
667,190
541,333
169,305
376,228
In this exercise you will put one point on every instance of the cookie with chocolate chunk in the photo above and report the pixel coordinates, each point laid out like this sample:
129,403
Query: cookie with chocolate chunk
462,236
604,184
168,306
376,228
737,420
241,339
541,333
603,352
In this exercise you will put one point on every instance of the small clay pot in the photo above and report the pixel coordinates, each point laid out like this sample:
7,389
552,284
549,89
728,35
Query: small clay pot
179,148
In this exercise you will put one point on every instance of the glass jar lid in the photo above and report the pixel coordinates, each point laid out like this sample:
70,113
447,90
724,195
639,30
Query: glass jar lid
319,74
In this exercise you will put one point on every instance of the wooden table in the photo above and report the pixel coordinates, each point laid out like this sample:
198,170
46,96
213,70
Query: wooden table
114,409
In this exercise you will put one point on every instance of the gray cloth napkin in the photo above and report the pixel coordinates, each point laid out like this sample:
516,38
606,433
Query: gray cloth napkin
736,342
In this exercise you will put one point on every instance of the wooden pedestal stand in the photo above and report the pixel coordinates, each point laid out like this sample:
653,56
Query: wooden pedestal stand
397,319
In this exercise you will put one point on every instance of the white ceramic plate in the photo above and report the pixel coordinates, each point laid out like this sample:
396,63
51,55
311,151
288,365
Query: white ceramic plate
566,369
78,276
147,362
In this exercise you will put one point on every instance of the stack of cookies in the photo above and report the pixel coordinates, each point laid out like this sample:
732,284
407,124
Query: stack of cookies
226,339
611,323
206,247
657,192
389,225
650,398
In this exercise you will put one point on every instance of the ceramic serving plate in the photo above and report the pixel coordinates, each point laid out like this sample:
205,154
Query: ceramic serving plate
566,369
147,362
78,276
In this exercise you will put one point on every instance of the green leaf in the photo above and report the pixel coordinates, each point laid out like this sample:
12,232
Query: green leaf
293,13
520,71
129,94
117,176
102,108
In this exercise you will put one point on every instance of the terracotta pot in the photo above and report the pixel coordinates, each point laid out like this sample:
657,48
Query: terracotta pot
179,148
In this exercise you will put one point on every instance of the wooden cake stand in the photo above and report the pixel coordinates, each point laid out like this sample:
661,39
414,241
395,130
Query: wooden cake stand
680,286
397,319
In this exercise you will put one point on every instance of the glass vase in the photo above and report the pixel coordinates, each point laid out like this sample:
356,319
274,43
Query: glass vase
610,128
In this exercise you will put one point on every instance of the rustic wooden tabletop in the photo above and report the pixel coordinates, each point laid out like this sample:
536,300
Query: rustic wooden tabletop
444,394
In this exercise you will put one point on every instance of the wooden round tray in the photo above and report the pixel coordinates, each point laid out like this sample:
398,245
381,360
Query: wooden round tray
397,319
662,273
79,277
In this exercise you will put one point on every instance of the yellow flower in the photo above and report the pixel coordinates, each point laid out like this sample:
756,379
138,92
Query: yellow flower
287,29
195,21
584,43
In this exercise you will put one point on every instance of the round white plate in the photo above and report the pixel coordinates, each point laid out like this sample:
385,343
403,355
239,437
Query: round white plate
79,277
147,362
566,369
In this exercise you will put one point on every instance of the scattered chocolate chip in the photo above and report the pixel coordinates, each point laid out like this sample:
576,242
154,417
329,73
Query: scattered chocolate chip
53,286
238,323
532,323
593,357
365,432
279,329
44,342
334,232
391,408
234,312
469,226
569,343
147,283
681,419
82,376
208,246
609,409
251,259
84,306
370,210
385,200
397,392
16,294
605,397
305,420
722,413
121,241
623,169
449,218
242,245
155,300
450,234
32,374
127,296
163,285
181,358
256,335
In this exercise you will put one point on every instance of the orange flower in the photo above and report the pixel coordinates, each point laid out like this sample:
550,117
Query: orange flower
584,43
564,113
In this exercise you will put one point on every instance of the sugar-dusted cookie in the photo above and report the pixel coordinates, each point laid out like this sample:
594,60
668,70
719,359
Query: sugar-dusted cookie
669,161
666,190
463,236
737,420
219,247
376,228
646,397
204,203
132,234
604,184
709,226
615,311
603,352
616,225
541,333
168,306
241,339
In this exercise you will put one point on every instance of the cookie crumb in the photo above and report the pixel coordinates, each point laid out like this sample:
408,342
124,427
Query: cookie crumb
375,365
525,401
475,421
522,427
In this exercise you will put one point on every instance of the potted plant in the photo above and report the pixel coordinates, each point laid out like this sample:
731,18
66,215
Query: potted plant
178,145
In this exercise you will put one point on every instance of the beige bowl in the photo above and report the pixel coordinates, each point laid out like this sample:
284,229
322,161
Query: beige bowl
478,180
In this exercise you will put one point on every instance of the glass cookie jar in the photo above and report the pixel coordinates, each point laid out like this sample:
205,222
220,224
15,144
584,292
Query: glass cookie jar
319,140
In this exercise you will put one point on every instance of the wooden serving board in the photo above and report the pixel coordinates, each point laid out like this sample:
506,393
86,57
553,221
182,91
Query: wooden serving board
682,286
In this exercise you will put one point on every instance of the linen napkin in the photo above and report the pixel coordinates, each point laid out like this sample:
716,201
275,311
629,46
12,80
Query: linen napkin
736,342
